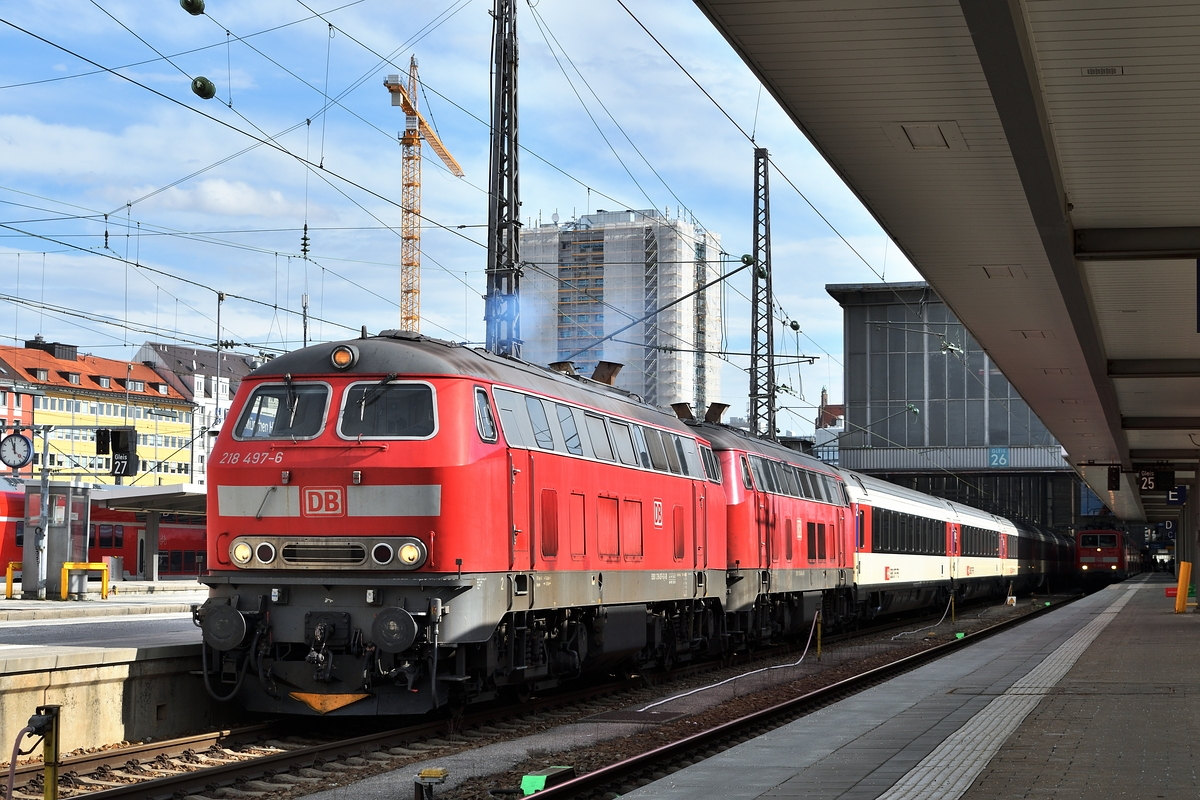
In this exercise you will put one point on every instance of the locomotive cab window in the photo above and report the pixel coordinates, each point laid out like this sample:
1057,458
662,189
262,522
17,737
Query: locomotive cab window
1098,540
484,421
284,411
385,410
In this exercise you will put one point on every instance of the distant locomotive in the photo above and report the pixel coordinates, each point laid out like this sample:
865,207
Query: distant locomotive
398,523
1106,556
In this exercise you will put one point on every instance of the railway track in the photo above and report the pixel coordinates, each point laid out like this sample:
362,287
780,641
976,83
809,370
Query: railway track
262,760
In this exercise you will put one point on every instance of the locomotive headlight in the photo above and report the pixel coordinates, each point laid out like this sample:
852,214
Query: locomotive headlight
1114,566
241,553
1084,566
410,554
381,553
343,356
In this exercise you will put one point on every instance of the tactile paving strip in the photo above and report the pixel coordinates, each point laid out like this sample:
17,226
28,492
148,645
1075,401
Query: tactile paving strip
947,772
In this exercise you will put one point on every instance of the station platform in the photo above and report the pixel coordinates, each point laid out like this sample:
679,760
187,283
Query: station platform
123,668
124,597
1099,698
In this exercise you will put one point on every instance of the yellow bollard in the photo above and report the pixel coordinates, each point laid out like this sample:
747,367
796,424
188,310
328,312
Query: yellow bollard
1185,579
8,578
101,567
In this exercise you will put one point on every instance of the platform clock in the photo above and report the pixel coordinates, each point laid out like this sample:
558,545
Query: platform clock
16,450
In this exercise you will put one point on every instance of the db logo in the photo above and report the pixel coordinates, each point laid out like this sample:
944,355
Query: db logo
325,501
658,514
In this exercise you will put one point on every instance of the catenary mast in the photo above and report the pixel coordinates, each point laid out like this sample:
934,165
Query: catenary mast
502,314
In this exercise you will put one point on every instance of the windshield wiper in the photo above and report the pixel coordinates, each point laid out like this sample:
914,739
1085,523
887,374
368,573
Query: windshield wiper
373,394
293,400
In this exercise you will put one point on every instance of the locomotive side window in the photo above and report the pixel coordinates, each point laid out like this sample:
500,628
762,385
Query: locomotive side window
805,487
514,419
388,410
789,480
712,466
658,455
566,418
691,459
643,450
672,453
541,423
485,423
623,441
283,411
598,433
749,484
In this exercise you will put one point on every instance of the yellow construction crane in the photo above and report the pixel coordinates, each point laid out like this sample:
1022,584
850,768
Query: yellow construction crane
416,129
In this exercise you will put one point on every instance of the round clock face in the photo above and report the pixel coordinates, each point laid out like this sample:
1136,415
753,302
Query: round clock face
16,450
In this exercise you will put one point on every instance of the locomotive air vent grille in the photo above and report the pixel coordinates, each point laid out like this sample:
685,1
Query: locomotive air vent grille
332,553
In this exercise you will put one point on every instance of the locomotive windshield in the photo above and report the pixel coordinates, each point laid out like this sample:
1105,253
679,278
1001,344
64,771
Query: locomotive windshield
388,410
1098,540
284,411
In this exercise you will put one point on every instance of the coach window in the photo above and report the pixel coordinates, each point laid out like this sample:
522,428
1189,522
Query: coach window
623,441
599,436
283,411
541,425
643,450
485,423
379,410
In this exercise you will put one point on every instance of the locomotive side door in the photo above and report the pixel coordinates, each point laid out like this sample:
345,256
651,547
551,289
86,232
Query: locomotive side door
520,497
700,527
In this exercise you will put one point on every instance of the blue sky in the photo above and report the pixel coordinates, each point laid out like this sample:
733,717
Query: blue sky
197,204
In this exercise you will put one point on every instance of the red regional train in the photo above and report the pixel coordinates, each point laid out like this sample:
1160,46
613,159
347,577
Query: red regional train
398,523
1106,556
182,549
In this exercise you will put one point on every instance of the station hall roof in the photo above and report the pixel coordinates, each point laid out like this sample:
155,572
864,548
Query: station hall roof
1036,162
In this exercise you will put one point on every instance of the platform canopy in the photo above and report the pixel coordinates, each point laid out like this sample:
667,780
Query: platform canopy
1037,161
179,498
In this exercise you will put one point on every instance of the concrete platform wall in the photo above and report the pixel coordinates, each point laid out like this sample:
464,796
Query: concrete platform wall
126,694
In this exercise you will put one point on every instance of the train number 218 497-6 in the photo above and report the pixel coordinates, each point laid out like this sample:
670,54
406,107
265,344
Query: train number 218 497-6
252,459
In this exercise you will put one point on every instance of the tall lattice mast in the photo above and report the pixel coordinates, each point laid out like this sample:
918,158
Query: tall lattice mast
415,130
502,311
762,343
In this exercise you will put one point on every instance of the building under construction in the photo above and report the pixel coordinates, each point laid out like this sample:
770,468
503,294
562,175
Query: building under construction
590,277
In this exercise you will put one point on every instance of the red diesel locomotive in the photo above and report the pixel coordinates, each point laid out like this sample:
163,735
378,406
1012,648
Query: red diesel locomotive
1106,556
398,523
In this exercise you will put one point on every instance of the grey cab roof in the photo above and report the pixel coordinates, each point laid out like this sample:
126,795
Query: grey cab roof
409,354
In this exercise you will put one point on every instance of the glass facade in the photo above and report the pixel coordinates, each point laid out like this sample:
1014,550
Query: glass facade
916,378
927,409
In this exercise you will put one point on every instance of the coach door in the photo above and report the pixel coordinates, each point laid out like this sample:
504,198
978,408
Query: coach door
521,467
